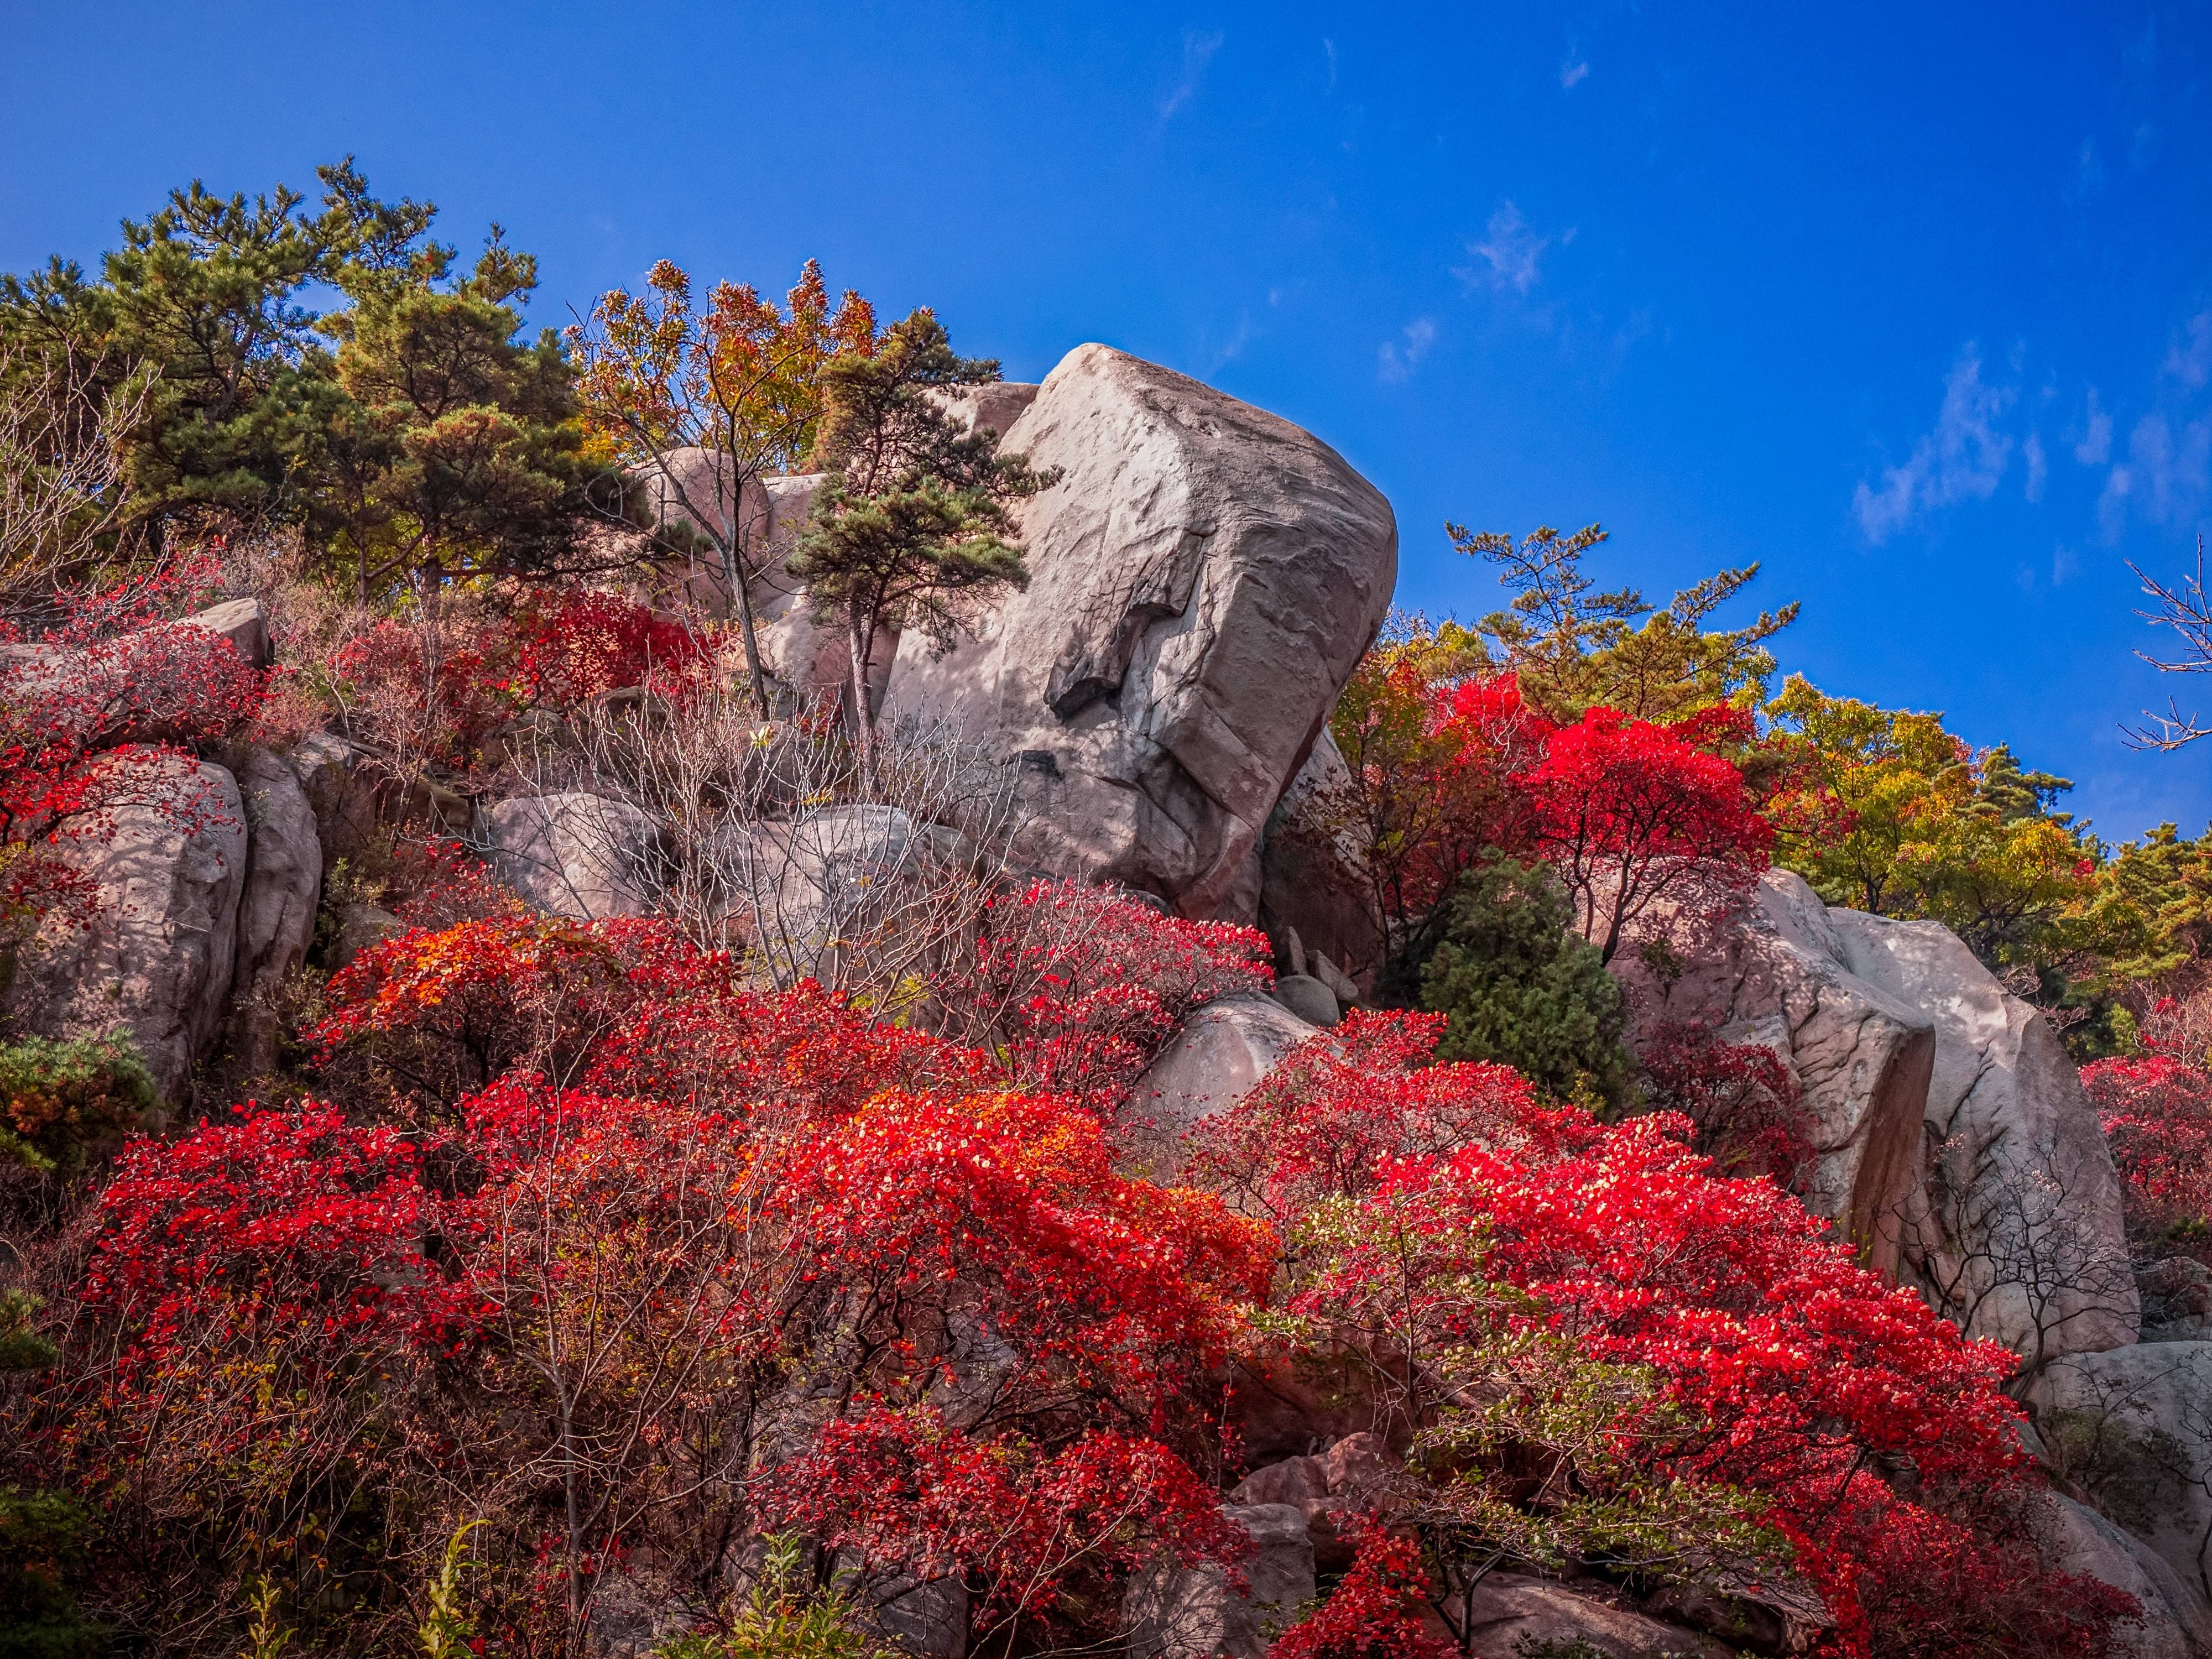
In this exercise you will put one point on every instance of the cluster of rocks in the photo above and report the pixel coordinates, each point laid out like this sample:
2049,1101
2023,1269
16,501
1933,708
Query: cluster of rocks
202,890
1204,578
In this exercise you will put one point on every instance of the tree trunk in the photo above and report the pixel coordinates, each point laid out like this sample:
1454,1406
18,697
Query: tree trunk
741,591
859,633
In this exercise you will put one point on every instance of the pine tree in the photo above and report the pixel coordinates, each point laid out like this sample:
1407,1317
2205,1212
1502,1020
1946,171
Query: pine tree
1517,985
911,528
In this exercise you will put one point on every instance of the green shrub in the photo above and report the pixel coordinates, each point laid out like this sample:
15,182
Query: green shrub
39,1544
1517,986
65,1103
780,1620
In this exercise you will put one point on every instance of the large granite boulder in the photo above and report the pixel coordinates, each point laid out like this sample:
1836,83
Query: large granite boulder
575,854
276,910
243,622
1512,1616
1955,1142
2076,1539
1204,577
1175,1612
1220,1056
2132,1428
157,944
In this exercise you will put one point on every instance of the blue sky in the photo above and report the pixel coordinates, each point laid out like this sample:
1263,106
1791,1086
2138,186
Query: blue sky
1913,304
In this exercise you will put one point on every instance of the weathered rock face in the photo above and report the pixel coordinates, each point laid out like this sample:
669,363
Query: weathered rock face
573,855
1332,1490
1511,1614
1219,1056
1181,1612
1204,577
157,955
277,911
809,660
1310,883
1955,1142
243,622
1778,976
2147,1411
2077,1539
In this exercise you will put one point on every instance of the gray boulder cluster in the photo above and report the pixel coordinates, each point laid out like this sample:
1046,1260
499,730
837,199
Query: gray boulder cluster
1204,578
204,890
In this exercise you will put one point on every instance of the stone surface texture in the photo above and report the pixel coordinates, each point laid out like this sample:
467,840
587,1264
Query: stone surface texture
1955,1141
1510,1613
1173,1611
2156,1398
1310,879
243,622
573,855
2078,1539
1219,1056
1309,998
156,955
1204,577
277,911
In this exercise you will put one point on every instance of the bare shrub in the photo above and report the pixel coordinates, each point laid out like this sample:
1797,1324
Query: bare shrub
767,838
61,486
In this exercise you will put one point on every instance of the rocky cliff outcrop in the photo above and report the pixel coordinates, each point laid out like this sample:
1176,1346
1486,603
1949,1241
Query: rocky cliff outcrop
1204,577
154,950
1955,1143
2135,1424
276,903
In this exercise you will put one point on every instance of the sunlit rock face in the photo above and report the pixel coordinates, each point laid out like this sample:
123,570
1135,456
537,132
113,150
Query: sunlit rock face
1955,1143
1204,577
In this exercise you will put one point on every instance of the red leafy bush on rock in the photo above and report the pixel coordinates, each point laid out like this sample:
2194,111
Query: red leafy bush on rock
1773,1367
1078,988
94,719
2157,1115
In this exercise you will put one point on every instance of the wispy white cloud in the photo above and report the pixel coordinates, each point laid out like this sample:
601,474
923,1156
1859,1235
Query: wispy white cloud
1509,252
2093,439
1573,72
1395,360
2166,478
2038,467
1963,459
1329,46
2088,169
2189,357
1198,49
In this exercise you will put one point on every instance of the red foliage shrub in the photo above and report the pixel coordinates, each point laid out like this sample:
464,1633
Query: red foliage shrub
2157,1117
443,1012
1432,765
1375,1613
1631,814
276,1224
581,644
1334,1114
1133,1286
1748,1111
900,1489
1780,1368
1078,988
93,721
424,693
440,690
